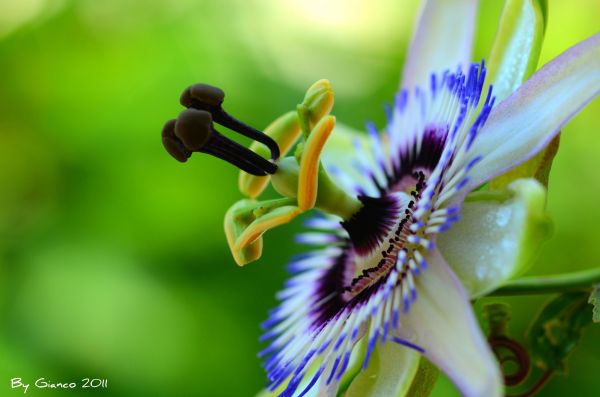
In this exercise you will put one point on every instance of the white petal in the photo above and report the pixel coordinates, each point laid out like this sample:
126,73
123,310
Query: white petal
498,235
526,121
442,322
442,40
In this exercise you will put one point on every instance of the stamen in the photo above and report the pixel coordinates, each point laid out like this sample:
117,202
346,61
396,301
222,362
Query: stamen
209,98
193,131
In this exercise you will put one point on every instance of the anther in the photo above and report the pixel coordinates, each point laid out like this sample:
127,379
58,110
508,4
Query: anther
202,93
208,98
193,131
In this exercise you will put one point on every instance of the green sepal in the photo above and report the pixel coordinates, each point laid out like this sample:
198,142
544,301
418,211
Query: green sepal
391,371
557,330
513,59
424,380
516,49
354,367
537,167
498,235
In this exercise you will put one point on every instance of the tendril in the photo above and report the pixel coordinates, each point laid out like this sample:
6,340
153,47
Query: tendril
508,351
517,355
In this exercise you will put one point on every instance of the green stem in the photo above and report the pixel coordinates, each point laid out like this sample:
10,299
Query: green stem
550,284
332,199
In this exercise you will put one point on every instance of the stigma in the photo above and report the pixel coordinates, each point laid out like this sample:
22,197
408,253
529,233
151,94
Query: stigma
194,131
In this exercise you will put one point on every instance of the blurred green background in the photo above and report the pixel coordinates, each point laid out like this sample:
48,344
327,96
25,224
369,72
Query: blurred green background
113,263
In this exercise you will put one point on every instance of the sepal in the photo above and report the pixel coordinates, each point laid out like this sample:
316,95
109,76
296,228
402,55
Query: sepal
498,235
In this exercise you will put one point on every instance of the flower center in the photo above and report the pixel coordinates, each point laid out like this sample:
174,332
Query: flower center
391,239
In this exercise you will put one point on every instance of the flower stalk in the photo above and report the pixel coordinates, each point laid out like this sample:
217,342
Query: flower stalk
550,284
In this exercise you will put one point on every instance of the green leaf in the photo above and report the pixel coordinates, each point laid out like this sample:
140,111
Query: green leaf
557,330
595,301
498,235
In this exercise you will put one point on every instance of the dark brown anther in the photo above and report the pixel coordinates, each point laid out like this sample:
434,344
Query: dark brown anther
203,93
208,98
